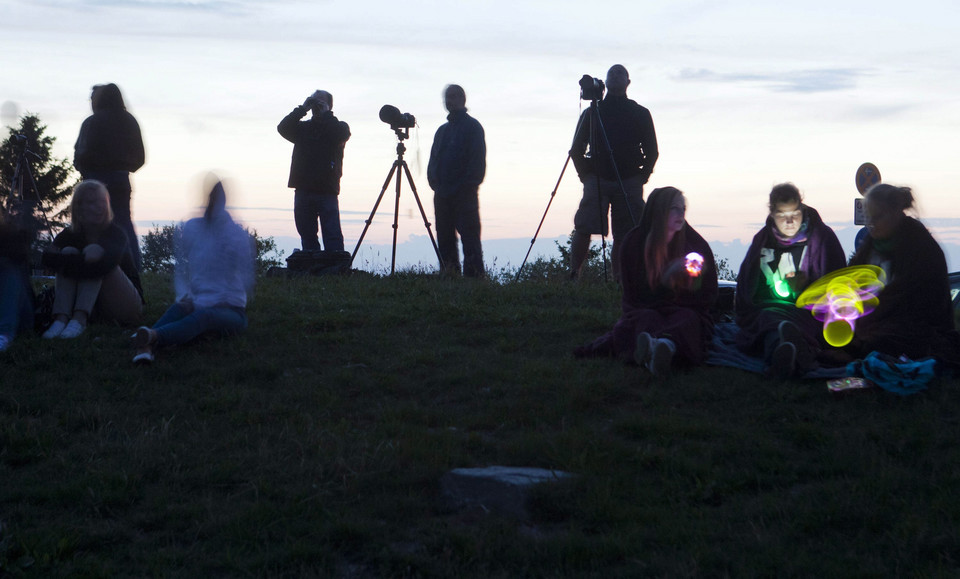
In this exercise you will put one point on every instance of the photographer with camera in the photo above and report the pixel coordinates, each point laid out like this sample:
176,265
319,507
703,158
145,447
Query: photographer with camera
315,170
458,162
626,153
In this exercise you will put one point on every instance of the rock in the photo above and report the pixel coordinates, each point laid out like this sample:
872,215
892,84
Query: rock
502,489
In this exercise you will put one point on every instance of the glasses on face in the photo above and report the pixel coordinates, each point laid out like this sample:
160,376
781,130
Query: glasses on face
785,216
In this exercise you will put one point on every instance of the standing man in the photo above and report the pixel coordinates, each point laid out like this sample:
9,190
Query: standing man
315,170
633,149
458,162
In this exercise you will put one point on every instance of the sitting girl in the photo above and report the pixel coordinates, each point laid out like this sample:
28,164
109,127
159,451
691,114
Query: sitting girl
666,299
95,274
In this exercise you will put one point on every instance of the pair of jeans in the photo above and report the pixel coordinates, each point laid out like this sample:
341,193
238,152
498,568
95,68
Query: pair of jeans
308,207
183,322
118,185
16,299
459,213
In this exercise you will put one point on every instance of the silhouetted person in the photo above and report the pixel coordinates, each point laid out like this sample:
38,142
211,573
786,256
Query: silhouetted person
793,249
16,292
96,277
315,170
666,302
914,316
108,149
629,128
458,162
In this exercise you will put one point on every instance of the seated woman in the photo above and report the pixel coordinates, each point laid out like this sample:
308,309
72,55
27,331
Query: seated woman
914,316
16,293
793,249
213,279
95,275
666,304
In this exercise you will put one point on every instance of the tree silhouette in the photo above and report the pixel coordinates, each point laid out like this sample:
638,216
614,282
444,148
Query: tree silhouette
54,178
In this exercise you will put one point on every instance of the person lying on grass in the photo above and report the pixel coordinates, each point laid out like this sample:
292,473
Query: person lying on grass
213,280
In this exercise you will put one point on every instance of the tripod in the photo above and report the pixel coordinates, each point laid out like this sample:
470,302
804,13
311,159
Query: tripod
24,196
397,166
596,127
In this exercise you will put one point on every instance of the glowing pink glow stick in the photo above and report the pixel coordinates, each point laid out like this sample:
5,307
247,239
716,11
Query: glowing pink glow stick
839,298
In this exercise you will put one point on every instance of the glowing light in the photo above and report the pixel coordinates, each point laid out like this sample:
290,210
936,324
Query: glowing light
839,298
694,263
782,288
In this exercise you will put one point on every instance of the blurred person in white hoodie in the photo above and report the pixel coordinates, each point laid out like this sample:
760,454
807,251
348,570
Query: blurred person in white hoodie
213,279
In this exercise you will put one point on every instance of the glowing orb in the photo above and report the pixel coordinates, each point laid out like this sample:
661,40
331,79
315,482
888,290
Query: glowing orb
693,263
840,297
782,288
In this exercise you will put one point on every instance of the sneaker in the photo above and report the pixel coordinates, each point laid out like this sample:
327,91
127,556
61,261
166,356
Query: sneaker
55,329
73,329
790,333
143,337
145,357
661,357
783,362
641,354
4,343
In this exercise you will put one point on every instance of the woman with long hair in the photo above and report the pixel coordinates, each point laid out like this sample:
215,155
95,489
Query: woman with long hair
793,249
108,149
95,275
669,282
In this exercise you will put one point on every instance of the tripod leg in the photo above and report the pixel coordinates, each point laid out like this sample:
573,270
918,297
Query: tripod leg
375,206
423,214
542,219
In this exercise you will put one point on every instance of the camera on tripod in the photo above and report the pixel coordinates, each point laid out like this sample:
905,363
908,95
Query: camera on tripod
397,120
591,88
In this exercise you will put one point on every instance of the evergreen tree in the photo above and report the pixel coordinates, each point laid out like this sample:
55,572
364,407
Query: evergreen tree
54,178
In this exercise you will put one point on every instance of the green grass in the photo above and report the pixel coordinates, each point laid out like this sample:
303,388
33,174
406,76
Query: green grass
313,445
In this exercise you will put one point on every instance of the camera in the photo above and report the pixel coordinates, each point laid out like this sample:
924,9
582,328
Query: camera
397,120
591,88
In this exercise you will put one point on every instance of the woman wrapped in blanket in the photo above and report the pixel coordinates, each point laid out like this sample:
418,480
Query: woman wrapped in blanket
914,316
95,274
794,248
668,292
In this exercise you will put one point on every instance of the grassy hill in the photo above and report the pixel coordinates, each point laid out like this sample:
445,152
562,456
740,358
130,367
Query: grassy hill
313,445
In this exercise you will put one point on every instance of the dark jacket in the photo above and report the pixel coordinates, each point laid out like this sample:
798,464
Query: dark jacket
914,315
629,128
116,251
458,158
317,162
110,138
824,254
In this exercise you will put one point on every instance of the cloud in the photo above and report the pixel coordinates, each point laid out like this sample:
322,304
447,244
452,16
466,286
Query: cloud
800,81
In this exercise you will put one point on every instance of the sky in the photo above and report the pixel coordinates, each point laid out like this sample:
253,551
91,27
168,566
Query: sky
743,95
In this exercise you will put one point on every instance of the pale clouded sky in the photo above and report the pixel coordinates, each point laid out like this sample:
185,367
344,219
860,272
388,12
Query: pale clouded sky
743,95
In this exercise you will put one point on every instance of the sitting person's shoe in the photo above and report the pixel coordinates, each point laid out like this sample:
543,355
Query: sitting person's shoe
55,329
783,362
73,329
143,337
641,354
144,357
661,358
789,332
